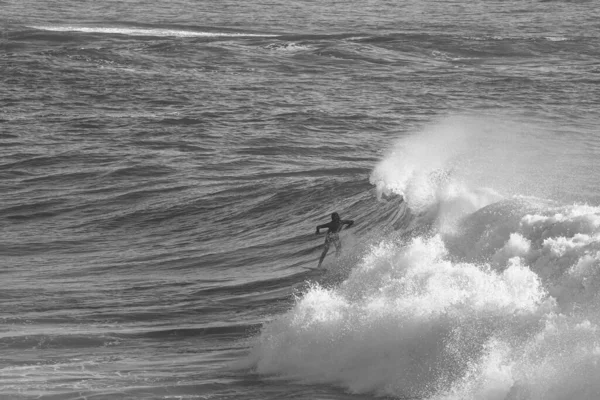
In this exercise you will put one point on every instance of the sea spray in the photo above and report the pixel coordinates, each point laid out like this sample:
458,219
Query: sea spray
417,165
434,171
410,322
480,295
406,322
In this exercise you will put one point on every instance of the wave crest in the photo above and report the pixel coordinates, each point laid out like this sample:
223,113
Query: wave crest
496,299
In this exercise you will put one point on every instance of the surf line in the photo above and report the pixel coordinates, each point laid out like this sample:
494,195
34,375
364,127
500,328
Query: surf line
147,32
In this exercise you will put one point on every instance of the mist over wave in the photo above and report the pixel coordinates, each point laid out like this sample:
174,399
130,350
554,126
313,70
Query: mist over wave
483,294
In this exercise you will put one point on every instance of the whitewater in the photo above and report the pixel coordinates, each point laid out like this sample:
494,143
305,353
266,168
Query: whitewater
479,294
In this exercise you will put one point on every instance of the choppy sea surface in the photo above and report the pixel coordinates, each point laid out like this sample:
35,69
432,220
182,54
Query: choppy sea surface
164,164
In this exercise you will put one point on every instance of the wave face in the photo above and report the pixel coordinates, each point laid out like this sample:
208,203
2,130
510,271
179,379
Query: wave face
480,295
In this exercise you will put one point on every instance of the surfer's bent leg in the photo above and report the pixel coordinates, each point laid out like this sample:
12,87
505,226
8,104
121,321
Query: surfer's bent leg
325,250
338,246
335,239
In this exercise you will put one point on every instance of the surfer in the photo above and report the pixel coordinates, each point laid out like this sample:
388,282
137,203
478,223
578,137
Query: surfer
334,227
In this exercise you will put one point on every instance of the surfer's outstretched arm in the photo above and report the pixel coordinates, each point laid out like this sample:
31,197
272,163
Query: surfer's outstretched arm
321,227
348,222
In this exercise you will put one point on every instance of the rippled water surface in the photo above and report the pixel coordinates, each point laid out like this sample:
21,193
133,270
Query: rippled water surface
163,166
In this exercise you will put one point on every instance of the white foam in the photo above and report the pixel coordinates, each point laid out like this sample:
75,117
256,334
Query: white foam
400,323
288,47
498,301
412,321
147,31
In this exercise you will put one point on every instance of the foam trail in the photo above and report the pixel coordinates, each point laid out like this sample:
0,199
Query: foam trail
146,32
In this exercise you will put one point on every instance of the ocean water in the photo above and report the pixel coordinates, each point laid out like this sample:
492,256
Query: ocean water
164,164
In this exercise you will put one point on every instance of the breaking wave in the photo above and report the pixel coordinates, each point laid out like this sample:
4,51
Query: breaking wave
496,298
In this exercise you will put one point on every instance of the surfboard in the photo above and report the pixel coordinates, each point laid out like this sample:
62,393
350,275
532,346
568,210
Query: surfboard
315,270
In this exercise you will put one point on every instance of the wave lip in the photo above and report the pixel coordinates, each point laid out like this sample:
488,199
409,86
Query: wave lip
160,32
